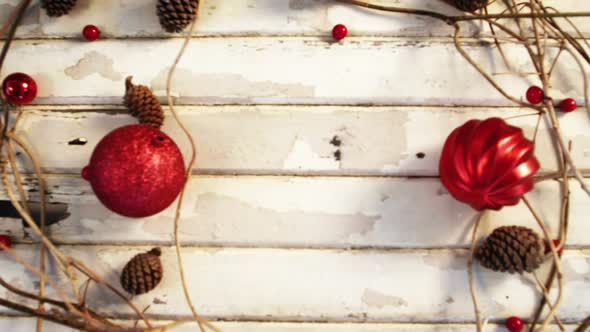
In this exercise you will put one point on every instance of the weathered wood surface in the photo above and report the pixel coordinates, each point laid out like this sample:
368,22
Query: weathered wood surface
323,285
282,71
251,211
136,18
271,212
335,140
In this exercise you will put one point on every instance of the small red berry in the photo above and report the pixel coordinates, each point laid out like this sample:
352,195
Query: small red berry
339,31
91,32
535,95
5,240
556,245
568,105
514,324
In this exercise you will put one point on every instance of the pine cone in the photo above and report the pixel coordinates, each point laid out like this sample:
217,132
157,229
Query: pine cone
143,104
175,15
511,249
57,8
470,5
143,272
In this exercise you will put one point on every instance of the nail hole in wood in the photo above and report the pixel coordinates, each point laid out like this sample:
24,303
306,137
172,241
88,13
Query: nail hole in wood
78,141
420,155
338,155
336,141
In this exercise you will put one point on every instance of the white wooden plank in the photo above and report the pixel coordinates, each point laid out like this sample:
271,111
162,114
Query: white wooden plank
295,139
304,285
305,212
278,71
22,324
136,18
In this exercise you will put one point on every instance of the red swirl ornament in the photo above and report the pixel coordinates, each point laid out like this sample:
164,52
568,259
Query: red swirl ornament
136,171
488,164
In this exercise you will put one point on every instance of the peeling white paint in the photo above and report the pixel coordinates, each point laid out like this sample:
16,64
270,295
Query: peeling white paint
302,156
373,298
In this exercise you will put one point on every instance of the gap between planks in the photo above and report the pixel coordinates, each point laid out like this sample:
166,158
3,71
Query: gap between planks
323,38
328,321
323,323
120,109
215,173
352,250
147,245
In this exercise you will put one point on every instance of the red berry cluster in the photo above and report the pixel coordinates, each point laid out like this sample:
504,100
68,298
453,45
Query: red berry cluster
535,95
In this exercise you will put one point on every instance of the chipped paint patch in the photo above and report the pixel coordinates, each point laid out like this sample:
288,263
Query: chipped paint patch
579,265
188,83
387,145
309,14
378,300
302,156
218,220
450,262
296,4
94,63
30,21
576,268
158,301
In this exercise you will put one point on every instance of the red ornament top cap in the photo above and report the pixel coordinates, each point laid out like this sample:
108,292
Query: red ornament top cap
488,164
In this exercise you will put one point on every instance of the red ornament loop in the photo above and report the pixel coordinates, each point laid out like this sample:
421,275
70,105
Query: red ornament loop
488,164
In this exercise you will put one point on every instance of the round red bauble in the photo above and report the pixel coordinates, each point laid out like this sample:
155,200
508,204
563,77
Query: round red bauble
5,240
488,164
136,171
514,324
19,88
535,95
339,31
568,105
91,32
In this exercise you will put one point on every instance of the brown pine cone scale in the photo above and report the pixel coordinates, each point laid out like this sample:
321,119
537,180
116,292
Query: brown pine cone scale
511,249
143,272
470,5
143,104
57,8
176,15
